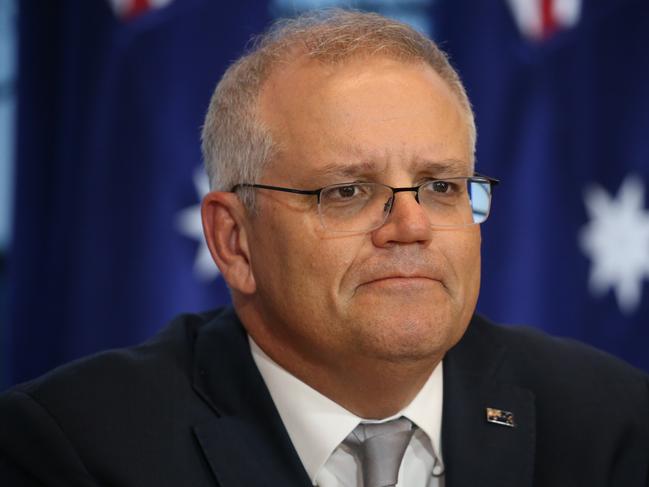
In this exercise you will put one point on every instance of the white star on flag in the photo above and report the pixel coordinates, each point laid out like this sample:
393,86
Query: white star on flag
188,222
617,241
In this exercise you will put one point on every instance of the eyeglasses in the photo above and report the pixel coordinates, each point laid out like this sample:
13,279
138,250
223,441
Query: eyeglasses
363,207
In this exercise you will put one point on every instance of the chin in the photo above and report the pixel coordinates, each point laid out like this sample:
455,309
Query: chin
411,334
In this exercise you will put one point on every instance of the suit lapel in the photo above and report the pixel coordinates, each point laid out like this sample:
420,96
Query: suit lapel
245,443
476,451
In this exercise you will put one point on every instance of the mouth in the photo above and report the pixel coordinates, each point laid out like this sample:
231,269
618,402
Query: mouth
404,271
403,282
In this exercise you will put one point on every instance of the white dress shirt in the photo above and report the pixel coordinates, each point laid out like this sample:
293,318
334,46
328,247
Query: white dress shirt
317,426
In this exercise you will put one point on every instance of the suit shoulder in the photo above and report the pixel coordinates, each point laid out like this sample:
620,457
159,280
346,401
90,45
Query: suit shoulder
561,361
136,401
120,379
590,409
166,352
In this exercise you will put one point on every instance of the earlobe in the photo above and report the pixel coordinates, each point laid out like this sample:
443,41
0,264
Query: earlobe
227,238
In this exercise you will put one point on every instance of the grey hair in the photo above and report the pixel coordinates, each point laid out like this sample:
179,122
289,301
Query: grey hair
236,145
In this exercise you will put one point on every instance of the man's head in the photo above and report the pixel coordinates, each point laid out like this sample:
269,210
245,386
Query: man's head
331,99
237,145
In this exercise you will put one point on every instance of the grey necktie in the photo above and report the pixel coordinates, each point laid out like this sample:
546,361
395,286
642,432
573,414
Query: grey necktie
380,448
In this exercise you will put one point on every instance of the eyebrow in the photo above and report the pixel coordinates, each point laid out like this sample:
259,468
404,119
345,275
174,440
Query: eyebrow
349,169
445,168
450,167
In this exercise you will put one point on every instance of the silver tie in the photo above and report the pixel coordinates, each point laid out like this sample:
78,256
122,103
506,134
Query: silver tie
380,448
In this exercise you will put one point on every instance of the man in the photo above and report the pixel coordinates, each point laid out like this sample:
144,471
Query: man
344,219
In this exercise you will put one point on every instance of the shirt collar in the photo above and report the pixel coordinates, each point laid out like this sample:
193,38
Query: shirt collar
317,425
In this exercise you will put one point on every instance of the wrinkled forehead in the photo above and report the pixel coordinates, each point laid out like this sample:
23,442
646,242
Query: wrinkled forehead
369,166
363,117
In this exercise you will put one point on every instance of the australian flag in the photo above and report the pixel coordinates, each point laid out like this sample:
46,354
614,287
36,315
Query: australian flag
560,92
107,244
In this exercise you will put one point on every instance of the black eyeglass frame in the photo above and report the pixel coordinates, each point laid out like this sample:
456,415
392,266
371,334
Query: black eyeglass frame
317,192
389,204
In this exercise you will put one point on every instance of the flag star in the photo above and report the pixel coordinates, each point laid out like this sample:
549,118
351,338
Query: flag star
616,239
188,222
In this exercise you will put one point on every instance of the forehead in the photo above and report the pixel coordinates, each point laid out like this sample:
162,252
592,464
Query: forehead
366,115
371,165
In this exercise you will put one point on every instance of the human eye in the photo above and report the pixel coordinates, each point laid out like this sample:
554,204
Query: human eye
346,193
447,187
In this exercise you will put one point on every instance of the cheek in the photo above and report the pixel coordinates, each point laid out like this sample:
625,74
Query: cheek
293,259
325,265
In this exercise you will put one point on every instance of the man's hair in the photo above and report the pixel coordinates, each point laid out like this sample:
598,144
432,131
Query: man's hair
236,144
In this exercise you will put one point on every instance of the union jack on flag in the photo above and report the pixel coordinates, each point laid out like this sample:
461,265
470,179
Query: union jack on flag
540,19
129,9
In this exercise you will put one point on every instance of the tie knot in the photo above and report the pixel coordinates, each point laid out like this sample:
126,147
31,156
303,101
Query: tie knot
381,447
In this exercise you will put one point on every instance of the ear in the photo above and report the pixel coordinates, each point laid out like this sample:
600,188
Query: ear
225,229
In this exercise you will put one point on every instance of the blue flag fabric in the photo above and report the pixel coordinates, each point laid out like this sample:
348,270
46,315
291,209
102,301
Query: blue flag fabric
563,120
108,173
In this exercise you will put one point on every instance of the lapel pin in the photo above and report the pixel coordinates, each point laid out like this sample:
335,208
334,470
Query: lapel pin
498,416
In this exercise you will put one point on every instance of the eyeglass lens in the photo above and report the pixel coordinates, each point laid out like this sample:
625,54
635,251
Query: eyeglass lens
366,206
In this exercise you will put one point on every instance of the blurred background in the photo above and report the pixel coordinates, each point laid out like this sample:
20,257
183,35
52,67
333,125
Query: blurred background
101,103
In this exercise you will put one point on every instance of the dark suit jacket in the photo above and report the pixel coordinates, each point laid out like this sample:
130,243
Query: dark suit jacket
189,408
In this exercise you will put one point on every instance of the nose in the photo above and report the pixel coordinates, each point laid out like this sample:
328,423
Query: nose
407,223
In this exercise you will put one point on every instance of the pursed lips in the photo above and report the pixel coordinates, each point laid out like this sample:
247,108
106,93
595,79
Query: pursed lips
404,270
400,279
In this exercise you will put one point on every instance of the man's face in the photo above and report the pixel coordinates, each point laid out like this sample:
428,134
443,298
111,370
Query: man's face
404,291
